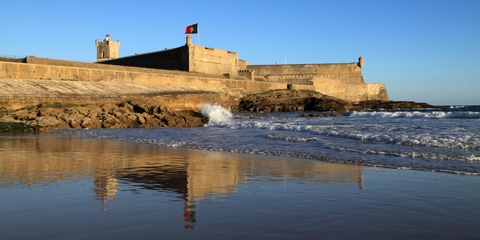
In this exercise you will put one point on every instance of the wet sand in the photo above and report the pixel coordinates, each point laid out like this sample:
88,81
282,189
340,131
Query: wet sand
58,187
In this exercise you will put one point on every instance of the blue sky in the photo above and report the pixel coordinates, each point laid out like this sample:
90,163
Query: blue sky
422,50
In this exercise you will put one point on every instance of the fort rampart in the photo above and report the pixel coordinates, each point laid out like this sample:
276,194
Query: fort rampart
72,85
117,74
198,66
340,80
245,82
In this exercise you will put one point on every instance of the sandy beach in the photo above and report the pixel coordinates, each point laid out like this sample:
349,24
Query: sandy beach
55,186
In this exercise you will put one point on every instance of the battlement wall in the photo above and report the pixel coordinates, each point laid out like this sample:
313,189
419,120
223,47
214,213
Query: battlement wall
344,85
189,58
170,59
66,63
303,69
10,70
350,73
213,61
341,80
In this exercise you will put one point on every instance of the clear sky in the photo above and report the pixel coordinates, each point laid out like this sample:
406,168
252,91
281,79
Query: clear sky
422,50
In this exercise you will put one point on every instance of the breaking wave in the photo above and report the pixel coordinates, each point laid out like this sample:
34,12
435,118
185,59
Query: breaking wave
424,136
216,114
419,114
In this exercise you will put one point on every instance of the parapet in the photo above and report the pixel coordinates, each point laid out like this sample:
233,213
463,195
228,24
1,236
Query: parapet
249,74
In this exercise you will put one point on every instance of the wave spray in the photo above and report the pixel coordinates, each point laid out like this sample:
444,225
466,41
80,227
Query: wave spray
216,114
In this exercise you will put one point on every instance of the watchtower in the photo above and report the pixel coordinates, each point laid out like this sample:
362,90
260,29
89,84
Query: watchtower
107,49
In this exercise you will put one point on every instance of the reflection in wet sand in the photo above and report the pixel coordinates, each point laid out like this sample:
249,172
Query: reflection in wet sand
191,175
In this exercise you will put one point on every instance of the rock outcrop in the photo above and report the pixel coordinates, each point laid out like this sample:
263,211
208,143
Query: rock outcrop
140,113
148,113
290,101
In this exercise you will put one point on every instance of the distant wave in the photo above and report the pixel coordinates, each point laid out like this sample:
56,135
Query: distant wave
375,133
399,153
409,154
418,114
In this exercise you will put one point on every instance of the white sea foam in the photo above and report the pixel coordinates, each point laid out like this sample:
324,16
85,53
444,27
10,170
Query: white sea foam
416,136
405,154
418,114
473,158
216,114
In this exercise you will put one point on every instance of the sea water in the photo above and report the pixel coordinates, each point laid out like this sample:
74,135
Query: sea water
124,184
428,139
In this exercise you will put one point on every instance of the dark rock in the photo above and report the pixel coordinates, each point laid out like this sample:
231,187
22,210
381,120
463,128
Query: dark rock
74,124
291,101
90,123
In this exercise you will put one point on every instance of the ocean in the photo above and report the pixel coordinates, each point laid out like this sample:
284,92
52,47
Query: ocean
427,140
362,175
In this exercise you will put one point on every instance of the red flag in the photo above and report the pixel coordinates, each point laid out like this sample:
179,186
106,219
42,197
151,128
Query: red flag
192,29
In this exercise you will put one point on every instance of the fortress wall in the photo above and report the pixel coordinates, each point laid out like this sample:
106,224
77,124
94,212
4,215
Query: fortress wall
343,80
293,73
12,70
242,64
356,92
253,86
362,92
56,62
292,79
332,87
353,78
49,72
282,69
66,63
338,68
170,59
147,77
302,87
377,91
305,69
351,91
249,74
336,87
213,61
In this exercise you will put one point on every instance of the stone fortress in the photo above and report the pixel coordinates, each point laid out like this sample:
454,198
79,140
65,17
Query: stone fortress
341,80
211,70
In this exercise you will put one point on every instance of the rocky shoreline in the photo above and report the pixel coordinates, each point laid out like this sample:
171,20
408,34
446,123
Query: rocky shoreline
146,113
139,113
293,101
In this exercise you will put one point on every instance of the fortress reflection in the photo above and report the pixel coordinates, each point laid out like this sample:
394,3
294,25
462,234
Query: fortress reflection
190,175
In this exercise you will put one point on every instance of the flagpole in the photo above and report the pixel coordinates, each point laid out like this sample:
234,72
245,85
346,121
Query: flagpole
198,34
